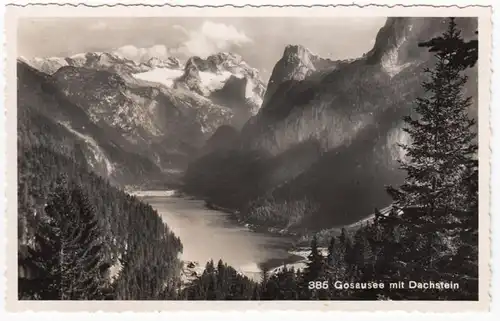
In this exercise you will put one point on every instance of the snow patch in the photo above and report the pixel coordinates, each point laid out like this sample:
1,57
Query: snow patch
252,96
78,55
213,81
164,76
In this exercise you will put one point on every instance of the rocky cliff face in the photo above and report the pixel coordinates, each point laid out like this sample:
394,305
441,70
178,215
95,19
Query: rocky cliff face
352,110
332,107
297,63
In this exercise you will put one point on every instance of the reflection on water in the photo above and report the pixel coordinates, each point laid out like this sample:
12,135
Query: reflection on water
209,234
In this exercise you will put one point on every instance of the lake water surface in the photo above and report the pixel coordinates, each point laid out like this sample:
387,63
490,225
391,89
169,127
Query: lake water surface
210,234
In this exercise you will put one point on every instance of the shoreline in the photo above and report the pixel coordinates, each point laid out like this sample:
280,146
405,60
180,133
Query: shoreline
299,239
296,237
271,265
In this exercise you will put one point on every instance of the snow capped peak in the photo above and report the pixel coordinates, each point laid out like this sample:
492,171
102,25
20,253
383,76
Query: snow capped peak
93,60
228,55
79,57
223,78
23,59
170,62
203,76
47,65
221,62
193,63
225,59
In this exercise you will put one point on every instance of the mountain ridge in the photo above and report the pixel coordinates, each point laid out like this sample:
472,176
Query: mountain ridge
353,112
163,124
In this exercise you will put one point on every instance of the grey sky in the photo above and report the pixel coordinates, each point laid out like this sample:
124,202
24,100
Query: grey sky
259,40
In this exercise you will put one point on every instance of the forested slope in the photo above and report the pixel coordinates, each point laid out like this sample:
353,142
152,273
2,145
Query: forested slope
142,253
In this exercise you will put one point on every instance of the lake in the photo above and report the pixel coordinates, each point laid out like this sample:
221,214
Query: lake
210,234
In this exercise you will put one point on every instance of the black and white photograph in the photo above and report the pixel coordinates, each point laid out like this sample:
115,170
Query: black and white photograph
249,158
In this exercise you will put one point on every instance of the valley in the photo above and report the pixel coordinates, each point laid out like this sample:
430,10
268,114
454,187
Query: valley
199,179
212,128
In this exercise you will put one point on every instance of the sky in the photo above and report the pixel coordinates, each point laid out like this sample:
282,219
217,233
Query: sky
260,41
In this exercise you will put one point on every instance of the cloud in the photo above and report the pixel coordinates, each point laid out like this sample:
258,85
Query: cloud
142,54
210,38
101,25
181,29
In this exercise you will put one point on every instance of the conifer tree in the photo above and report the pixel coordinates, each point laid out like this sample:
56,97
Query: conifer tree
315,267
209,267
442,148
331,252
345,245
47,256
264,276
92,281
68,258
466,51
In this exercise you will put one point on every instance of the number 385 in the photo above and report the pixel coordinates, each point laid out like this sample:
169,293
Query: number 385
318,285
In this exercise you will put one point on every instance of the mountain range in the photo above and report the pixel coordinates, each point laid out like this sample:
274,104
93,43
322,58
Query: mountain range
312,148
136,123
323,145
